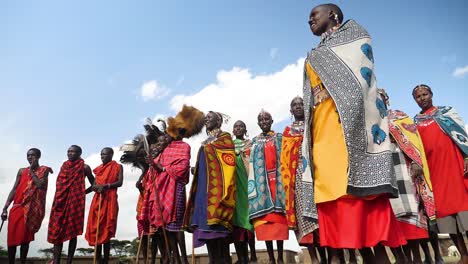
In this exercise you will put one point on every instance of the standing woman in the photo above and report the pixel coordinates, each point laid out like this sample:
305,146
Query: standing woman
265,188
212,199
446,145
28,196
242,234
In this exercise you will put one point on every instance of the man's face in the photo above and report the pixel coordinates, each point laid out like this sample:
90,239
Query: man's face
32,157
211,121
73,153
106,156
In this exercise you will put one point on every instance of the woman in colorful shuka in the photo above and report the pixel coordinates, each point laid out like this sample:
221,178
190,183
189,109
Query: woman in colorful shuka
446,145
28,196
265,188
242,227
212,203
349,174
104,209
291,168
415,199
67,214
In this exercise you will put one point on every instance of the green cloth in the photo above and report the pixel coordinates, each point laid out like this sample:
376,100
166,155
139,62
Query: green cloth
241,212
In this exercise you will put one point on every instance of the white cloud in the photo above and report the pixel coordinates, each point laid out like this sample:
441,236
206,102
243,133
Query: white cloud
241,95
273,53
152,90
460,72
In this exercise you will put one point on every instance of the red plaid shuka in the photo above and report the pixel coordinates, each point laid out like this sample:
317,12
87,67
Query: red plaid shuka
176,160
67,214
34,200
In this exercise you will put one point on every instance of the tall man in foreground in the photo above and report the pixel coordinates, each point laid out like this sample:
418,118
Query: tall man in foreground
350,174
104,209
67,214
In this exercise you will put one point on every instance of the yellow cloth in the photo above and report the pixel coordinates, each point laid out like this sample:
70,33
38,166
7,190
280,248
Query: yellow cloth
329,151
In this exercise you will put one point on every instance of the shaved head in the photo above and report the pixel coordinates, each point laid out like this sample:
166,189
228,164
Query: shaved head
335,9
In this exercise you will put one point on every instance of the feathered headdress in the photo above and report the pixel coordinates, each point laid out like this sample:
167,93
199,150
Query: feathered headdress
188,122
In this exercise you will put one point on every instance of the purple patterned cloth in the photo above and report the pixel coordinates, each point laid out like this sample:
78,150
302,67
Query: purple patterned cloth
176,226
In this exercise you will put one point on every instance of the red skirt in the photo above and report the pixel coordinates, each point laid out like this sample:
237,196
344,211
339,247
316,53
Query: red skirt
275,228
412,232
358,223
17,232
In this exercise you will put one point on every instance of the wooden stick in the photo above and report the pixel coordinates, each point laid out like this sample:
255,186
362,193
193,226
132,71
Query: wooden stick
139,246
97,227
3,221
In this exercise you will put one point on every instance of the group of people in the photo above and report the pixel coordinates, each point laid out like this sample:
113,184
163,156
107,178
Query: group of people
348,173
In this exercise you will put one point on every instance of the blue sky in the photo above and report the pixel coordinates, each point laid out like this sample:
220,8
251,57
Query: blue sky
73,72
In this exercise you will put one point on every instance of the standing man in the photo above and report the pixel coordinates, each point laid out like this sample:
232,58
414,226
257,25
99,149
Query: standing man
67,214
350,174
28,196
105,207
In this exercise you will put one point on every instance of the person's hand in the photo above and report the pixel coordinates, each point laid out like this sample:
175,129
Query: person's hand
149,160
415,170
192,170
158,167
4,215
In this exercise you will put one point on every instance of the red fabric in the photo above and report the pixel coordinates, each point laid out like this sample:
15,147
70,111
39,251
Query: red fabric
144,203
412,232
307,240
358,223
105,174
67,214
34,200
176,160
270,165
17,231
446,166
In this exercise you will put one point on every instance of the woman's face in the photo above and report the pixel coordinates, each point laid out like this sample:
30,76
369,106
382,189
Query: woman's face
423,98
297,108
239,129
264,122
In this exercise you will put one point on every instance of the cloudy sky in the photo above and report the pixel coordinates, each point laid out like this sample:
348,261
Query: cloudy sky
89,72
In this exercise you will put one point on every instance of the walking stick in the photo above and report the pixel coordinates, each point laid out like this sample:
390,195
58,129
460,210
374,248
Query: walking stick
97,227
3,221
139,247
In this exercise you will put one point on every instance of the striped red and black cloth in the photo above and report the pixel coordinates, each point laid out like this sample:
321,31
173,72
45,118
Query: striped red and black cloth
67,214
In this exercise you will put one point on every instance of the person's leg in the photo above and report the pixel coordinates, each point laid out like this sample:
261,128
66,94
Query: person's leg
407,251
106,252
312,254
323,254
434,238
24,252
352,256
427,252
414,245
333,256
154,249
172,236
253,252
381,255
279,246
99,254
71,250
225,256
367,256
11,255
271,253
182,247
58,253
242,252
